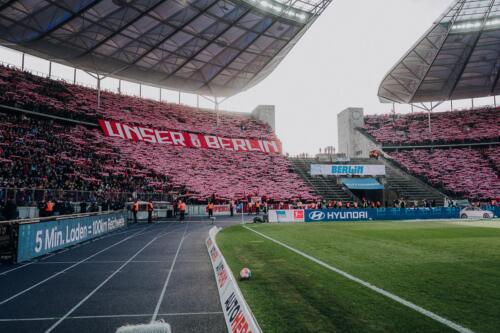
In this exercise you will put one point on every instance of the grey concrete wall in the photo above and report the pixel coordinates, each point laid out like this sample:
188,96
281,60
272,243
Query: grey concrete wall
266,114
351,142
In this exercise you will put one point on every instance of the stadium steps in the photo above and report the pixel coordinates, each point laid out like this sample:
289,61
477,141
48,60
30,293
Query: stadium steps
409,186
325,187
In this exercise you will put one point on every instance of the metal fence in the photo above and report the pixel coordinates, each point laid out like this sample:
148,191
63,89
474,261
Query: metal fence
31,197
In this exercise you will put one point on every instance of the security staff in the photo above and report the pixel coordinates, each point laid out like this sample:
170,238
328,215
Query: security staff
135,210
49,208
257,207
210,209
182,210
150,209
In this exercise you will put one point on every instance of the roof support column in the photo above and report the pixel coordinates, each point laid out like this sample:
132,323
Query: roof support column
495,101
472,103
451,105
119,87
216,106
160,94
74,75
22,61
140,90
198,101
50,69
429,119
179,97
98,91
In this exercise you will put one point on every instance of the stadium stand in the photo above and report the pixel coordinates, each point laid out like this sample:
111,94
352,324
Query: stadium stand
31,92
462,171
447,127
72,157
41,153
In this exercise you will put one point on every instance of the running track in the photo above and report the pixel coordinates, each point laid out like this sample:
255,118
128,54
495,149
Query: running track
135,275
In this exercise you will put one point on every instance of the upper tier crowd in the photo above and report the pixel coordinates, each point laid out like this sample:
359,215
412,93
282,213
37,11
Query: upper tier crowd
470,172
31,92
463,172
446,127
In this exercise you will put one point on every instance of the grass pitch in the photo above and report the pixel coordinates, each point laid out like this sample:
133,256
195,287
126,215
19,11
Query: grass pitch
451,270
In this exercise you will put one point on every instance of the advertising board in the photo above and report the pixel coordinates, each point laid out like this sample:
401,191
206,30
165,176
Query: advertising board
239,318
347,170
37,239
286,215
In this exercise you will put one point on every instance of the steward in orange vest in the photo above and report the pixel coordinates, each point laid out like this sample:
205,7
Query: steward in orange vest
182,211
210,209
135,210
49,208
150,210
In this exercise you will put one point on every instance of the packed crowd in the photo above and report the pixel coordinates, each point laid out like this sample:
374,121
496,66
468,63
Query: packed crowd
31,92
44,154
446,127
40,153
460,172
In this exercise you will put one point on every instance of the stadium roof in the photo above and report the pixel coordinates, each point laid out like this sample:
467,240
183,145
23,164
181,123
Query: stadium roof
212,47
458,57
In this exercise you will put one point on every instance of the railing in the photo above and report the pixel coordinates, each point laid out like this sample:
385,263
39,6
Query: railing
57,217
32,197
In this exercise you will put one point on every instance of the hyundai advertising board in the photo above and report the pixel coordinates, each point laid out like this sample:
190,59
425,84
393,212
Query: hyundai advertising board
327,215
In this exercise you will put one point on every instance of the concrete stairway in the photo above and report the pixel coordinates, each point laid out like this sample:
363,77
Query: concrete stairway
325,187
409,186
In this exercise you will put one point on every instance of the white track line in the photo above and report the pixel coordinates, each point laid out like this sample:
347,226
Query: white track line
16,268
172,314
96,289
102,262
70,267
368,285
162,295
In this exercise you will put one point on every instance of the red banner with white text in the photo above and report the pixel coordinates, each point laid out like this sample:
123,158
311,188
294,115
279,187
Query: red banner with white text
187,139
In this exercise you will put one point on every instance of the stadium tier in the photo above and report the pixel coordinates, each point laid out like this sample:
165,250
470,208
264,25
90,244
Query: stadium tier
470,172
42,153
461,172
447,127
31,92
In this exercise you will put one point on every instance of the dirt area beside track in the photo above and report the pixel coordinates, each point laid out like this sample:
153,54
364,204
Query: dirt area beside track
478,223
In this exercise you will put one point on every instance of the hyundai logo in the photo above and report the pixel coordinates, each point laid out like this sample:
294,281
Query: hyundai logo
317,215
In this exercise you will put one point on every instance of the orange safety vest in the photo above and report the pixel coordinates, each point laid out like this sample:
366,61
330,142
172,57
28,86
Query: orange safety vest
182,206
210,206
135,207
50,206
150,207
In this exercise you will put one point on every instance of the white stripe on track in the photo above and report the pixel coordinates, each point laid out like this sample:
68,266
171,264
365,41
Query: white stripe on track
101,262
368,285
96,289
171,314
16,268
162,295
70,267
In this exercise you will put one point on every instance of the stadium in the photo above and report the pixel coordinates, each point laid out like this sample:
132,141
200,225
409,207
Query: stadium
160,168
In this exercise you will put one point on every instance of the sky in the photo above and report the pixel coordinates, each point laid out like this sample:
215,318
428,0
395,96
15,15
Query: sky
339,63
